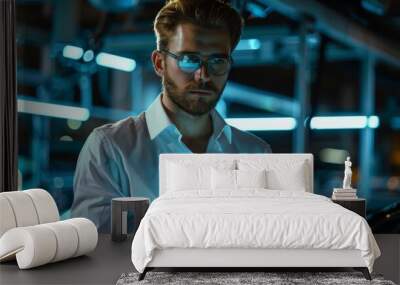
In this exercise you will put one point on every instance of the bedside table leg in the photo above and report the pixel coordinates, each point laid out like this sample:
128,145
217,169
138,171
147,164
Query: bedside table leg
364,271
142,275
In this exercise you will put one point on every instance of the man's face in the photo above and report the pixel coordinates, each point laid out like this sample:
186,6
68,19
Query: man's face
199,92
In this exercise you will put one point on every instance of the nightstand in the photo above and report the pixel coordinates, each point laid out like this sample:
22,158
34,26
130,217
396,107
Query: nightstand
120,207
356,205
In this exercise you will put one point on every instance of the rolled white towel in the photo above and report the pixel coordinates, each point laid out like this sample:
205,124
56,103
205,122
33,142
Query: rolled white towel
45,205
40,244
26,208
23,208
7,218
67,240
33,246
87,235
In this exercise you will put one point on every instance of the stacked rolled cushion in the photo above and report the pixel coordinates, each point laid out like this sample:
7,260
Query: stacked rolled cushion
31,230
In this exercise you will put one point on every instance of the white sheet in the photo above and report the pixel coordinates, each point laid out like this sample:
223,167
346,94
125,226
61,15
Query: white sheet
254,218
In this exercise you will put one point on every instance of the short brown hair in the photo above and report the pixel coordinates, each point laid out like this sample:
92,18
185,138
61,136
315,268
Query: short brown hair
205,13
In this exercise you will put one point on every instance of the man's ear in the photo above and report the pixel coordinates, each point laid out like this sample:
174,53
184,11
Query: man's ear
158,62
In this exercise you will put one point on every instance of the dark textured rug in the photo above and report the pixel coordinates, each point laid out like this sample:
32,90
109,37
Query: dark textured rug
243,278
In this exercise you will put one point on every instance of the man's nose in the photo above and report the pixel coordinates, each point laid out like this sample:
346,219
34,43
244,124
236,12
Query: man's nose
202,73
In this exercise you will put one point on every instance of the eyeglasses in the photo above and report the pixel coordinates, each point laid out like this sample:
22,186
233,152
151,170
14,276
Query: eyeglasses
189,62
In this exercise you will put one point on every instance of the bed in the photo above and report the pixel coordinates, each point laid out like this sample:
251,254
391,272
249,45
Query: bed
245,211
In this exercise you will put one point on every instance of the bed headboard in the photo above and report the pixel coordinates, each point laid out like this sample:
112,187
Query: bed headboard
307,158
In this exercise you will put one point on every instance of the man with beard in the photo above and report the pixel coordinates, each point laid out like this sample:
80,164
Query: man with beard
195,40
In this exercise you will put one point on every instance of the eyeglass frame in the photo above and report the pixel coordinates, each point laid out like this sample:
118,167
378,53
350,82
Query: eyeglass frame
202,61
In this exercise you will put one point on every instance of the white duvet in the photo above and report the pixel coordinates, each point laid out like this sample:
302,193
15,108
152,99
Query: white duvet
250,219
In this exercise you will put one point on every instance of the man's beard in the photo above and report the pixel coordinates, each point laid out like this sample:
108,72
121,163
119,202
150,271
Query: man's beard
194,105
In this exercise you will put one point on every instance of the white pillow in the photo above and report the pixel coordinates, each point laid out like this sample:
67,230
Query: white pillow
229,180
183,178
193,174
251,178
223,179
281,174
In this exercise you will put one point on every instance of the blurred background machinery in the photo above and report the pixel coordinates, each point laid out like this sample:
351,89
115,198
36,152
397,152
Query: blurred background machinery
309,76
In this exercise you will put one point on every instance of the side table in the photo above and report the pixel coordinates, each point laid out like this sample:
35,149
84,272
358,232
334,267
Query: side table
119,215
356,205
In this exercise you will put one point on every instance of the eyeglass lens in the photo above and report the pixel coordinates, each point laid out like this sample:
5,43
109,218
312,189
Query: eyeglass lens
191,62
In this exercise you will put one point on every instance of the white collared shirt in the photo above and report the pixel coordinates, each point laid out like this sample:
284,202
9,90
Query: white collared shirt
121,159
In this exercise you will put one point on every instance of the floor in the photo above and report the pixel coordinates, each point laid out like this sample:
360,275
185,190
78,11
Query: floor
389,262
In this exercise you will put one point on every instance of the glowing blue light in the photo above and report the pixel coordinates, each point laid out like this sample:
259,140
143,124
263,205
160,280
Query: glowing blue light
249,44
313,39
263,124
53,110
116,62
373,122
332,155
344,122
256,10
72,52
88,55
66,139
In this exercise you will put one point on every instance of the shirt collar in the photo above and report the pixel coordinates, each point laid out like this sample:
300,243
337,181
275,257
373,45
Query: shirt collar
157,121
156,118
220,126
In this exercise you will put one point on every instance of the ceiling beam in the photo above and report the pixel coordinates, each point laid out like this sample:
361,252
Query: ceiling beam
260,99
338,27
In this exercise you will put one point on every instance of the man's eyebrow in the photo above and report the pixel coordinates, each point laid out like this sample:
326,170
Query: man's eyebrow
187,52
219,55
198,53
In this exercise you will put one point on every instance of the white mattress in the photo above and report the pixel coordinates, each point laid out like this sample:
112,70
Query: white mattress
252,219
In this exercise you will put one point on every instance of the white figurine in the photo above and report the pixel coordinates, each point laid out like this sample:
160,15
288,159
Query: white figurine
347,174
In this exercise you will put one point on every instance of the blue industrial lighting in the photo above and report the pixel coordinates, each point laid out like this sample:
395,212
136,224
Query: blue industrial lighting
248,44
313,39
332,155
373,122
72,52
114,5
263,124
377,7
116,62
66,139
256,10
53,110
88,55
74,124
344,122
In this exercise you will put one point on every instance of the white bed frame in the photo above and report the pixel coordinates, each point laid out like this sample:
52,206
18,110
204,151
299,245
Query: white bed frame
251,258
